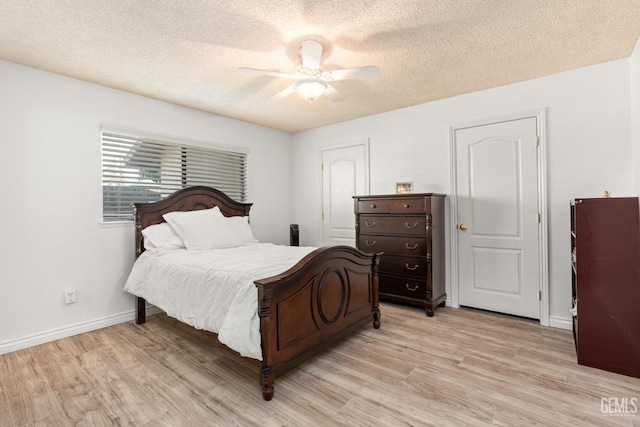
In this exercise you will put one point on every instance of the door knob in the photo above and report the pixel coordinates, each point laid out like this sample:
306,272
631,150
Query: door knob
463,227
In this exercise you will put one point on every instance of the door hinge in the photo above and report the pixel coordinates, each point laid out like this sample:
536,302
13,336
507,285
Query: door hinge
539,217
539,295
323,216
537,141
322,166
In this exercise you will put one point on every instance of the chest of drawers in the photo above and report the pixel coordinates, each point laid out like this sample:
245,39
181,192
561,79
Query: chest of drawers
409,229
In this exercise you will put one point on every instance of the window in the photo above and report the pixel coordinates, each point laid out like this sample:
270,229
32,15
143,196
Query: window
137,168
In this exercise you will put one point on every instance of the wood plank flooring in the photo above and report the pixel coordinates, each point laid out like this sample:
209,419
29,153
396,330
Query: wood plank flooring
460,368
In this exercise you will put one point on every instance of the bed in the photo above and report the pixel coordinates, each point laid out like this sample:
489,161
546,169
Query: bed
324,296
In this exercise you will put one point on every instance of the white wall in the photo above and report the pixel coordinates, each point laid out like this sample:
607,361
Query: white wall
51,237
588,148
634,74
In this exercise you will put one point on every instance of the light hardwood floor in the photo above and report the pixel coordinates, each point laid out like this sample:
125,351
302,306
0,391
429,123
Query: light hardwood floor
461,367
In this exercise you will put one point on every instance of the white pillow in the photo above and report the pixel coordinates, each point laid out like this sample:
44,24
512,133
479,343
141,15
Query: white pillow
241,228
203,229
161,236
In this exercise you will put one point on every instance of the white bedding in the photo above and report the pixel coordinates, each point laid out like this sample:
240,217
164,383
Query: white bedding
213,289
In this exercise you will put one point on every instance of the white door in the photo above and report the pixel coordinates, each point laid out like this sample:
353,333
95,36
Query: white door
344,175
498,217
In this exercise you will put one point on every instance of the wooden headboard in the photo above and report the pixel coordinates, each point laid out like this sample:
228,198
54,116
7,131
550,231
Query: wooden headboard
187,199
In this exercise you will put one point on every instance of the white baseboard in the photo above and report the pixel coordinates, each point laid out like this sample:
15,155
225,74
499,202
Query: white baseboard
127,316
561,322
68,331
554,321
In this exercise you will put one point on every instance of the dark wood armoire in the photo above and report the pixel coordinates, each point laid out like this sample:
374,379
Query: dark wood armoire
605,255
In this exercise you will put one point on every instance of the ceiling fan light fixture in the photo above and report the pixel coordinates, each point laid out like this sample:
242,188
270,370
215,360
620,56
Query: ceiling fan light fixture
310,80
310,89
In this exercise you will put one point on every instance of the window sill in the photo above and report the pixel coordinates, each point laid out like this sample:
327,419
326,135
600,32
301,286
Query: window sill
116,224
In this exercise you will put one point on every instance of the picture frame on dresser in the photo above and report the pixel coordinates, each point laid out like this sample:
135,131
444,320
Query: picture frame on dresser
408,228
404,187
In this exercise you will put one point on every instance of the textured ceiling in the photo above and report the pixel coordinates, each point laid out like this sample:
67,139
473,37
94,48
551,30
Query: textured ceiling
188,52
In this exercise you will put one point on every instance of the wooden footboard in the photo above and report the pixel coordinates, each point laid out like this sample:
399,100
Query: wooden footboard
324,297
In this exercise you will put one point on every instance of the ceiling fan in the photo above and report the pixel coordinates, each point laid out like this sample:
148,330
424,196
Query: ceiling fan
311,81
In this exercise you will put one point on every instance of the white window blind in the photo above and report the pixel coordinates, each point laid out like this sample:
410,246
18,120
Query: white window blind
143,169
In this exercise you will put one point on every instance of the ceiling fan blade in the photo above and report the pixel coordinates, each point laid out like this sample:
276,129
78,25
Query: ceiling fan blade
311,54
268,73
332,94
283,93
354,73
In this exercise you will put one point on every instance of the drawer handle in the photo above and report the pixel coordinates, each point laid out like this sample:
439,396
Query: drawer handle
372,206
411,247
406,205
415,267
406,224
366,242
409,288
368,224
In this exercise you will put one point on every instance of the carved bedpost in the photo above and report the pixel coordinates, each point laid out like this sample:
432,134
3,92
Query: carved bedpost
138,231
267,376
267,379
375,305
141,304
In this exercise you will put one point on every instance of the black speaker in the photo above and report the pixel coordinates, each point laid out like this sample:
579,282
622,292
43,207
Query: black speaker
294,235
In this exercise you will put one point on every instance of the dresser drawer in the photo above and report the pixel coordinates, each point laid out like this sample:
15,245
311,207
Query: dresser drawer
393,245
401,265
408,205
412,225
411,288
373,206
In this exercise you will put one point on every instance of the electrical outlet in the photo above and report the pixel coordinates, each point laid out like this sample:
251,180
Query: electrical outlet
69,296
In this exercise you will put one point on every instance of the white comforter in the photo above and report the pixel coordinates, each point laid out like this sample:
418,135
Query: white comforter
213,289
